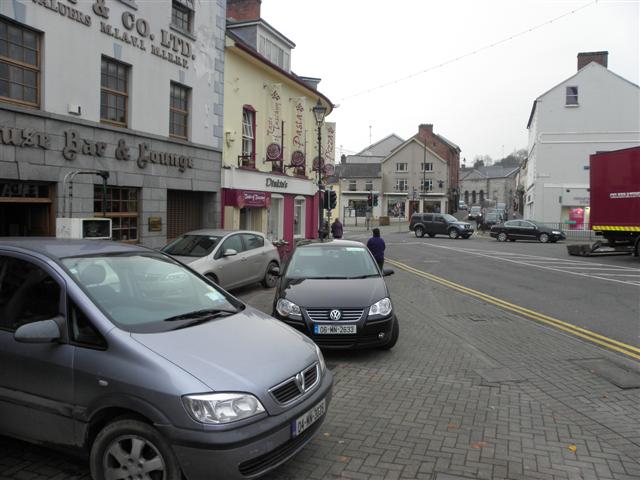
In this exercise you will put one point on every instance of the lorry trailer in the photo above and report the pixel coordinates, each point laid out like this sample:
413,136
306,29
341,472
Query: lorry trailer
614,203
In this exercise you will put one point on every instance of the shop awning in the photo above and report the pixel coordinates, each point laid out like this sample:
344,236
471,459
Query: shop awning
247,198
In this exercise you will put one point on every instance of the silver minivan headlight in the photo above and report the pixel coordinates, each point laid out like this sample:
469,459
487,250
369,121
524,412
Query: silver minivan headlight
222,408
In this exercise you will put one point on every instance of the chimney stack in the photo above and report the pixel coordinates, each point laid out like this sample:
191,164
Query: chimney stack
585,58
243,10
425,130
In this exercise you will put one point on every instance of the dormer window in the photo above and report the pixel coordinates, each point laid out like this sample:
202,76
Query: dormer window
572,96
274,53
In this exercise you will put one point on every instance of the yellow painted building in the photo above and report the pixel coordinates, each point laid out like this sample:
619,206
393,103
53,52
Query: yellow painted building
270,137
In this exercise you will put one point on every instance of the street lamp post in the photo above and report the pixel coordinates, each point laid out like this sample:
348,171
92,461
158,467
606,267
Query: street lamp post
424,174
319,112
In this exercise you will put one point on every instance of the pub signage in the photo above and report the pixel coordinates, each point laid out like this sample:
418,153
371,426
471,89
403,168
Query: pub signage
74,145
275,183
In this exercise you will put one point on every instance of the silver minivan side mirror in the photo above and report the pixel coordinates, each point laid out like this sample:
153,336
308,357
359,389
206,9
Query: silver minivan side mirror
45,331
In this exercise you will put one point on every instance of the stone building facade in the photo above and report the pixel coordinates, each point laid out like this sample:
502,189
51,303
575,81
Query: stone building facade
486,186
131,89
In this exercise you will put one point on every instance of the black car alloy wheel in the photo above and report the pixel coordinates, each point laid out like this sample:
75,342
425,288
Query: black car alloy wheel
544,237
419,231
453,233
502,237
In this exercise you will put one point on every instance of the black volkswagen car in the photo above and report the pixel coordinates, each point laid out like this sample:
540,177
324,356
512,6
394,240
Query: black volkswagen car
334,292
525,230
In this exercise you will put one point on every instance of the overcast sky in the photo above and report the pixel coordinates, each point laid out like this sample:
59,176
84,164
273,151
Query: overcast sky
481,102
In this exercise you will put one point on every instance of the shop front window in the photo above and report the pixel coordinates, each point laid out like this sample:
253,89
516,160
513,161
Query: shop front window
299,218
395,208
121,204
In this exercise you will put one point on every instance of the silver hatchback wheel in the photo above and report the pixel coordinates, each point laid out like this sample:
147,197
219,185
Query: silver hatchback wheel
270,280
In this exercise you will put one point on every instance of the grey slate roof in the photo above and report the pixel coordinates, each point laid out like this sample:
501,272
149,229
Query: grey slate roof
488,172
447,141
358,170
382,147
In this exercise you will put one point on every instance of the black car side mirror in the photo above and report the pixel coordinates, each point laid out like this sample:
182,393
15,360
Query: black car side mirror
45,331
387,271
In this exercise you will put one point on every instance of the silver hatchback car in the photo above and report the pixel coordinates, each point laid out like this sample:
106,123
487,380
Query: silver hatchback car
125,354
229,258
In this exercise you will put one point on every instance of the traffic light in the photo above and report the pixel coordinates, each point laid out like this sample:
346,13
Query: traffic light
333,199
375,200
370,200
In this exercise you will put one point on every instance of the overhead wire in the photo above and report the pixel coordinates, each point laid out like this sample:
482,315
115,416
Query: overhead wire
468,54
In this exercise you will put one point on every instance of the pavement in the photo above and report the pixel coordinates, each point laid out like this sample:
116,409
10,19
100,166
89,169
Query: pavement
470,391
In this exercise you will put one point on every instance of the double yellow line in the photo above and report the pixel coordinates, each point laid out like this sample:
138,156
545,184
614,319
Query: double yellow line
588,335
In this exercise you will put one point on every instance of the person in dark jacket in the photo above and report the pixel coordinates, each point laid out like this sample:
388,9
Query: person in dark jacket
376,246
336,228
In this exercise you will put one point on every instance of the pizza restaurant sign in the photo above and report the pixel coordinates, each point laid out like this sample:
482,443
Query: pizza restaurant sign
129,28
74,145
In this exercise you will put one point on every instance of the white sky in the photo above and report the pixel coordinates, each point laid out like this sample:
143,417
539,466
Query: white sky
482,102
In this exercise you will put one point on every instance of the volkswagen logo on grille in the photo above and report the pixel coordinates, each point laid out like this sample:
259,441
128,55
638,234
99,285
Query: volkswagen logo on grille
335,315
300,382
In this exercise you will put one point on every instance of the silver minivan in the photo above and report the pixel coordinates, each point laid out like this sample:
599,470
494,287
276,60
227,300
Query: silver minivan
154,372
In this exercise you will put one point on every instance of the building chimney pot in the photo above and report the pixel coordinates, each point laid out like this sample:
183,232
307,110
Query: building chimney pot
585,58
243,10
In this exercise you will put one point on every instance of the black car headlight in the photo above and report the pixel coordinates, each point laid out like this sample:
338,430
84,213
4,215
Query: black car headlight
380,309
288,309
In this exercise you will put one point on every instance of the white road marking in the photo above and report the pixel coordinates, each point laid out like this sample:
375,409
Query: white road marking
528,260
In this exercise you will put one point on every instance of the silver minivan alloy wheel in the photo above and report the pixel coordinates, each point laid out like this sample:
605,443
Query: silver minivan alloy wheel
130,457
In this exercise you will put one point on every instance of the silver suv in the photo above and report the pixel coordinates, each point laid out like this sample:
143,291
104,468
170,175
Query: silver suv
152,370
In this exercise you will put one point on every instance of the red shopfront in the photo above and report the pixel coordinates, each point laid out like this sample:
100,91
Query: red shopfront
280,216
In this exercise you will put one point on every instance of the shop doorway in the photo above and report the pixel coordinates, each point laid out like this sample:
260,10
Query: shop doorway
184,212
251,219
414,207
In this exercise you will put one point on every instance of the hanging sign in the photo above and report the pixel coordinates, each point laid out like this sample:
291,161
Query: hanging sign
298,139
274,123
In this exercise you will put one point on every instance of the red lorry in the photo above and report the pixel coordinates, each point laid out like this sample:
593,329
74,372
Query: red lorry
615,202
